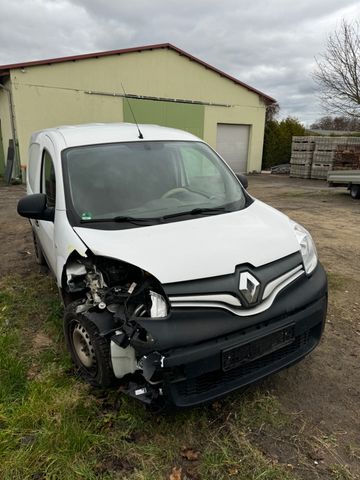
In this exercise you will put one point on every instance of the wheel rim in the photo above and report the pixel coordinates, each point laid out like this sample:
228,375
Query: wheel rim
83,347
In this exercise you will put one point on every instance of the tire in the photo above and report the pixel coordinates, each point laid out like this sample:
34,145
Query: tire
39,256
355,191
89,351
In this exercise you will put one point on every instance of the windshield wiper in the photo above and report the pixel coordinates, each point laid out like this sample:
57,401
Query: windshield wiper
121,219
152,220
198,211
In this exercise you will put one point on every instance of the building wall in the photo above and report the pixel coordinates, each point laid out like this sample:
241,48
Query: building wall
170,114
5,122
2,152
39,107
50,95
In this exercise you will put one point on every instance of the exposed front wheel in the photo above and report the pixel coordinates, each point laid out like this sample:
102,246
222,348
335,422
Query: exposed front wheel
355,191
89,350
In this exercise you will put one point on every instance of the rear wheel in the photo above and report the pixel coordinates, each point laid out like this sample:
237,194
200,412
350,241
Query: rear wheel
355,191
89,350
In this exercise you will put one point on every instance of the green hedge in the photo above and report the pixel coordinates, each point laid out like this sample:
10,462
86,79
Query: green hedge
277,140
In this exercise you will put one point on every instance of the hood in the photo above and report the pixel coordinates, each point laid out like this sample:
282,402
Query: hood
200,247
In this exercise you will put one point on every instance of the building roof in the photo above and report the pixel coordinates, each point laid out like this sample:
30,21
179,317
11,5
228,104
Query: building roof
5,69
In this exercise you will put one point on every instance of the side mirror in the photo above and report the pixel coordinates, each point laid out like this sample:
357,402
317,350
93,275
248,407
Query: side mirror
243,180
34,206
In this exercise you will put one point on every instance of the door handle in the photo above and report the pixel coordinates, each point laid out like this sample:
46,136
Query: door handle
37,223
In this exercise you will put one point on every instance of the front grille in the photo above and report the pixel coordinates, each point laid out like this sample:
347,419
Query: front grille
223,292
213,380
230,301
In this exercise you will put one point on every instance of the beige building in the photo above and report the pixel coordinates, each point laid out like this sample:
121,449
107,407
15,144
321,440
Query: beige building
164,86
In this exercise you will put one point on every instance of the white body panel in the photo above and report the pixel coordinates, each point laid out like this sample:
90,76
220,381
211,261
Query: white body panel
201,247
66,242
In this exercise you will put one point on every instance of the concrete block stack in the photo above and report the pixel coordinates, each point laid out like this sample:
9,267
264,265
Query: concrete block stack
313,157
324,155
348,158
302,151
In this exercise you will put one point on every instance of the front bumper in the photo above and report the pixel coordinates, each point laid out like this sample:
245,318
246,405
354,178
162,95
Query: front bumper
204,378
195,373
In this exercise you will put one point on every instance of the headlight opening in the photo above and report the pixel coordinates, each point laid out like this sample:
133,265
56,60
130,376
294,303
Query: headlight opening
307,247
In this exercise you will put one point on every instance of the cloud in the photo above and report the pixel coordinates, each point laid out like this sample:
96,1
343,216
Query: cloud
269,44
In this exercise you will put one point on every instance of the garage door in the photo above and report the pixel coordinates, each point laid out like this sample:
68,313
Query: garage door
232,143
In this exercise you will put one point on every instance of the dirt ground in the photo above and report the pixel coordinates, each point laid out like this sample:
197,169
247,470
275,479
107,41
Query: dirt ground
17,254
323,391
325,388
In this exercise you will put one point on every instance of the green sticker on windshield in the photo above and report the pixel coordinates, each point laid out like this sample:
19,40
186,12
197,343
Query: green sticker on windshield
86,216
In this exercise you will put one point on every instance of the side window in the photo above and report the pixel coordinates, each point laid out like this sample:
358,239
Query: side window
197,165
200,172
48,182
33,167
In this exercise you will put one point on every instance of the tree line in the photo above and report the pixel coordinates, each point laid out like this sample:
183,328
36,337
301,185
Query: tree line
342,124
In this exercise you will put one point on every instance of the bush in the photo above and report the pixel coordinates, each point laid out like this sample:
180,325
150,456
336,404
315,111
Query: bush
277,140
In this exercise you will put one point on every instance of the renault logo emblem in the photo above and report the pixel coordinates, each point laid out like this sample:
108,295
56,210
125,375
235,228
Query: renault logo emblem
249,287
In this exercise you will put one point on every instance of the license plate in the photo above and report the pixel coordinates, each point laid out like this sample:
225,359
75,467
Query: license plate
236,356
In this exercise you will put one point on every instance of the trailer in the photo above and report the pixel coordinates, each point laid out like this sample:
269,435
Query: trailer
345,178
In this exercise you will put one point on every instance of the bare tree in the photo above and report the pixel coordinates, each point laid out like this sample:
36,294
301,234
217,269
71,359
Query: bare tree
272,109
338,71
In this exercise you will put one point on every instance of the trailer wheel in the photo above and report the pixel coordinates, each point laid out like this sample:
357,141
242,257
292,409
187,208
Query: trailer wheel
89,351
355,191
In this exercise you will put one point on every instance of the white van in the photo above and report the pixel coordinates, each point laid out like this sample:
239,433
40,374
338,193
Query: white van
176,282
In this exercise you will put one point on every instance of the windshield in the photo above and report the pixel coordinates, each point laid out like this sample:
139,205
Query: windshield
148,180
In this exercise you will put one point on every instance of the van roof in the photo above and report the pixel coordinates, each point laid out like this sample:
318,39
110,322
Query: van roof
97,133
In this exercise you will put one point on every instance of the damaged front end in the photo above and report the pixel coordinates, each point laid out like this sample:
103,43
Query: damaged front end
119,326
106,300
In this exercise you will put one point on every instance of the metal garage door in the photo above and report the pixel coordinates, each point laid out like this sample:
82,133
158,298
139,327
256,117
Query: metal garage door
232,143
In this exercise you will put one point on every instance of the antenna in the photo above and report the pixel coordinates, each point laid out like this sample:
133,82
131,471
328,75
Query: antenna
132,113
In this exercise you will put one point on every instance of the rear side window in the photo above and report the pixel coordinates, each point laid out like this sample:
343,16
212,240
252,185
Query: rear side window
48,182
34,166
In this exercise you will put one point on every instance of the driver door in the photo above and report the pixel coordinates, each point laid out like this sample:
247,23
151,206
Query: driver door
45,229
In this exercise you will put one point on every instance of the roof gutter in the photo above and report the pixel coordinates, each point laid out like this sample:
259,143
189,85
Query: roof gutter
13,129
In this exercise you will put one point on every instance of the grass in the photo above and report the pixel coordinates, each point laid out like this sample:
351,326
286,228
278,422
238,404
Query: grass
53,426
340,473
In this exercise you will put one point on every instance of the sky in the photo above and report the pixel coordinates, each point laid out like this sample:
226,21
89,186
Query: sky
271,45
